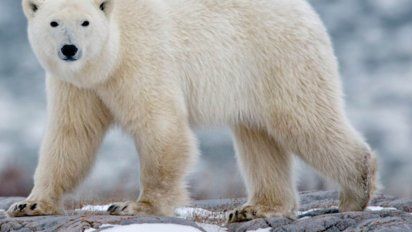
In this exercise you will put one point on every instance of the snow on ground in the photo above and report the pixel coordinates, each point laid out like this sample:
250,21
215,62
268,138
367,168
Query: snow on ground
261,230
184,212
193,213
145,228
211,227
370,208
94,208
187,213
307,211
190,214
379,208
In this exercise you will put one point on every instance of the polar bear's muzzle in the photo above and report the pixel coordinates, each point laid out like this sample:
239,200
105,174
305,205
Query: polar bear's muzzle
69,52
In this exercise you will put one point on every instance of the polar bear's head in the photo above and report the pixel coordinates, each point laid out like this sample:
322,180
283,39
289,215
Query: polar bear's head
70,36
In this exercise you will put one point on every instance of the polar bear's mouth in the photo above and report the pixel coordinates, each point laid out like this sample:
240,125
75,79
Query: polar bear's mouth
69,59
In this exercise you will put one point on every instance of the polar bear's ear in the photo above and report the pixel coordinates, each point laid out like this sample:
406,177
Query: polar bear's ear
105,5
30,7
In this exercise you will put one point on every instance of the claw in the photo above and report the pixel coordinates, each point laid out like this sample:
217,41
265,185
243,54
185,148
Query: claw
112,208
33,207
21,207
230,217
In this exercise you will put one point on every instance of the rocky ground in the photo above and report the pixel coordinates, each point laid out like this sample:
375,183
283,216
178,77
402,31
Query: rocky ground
317,213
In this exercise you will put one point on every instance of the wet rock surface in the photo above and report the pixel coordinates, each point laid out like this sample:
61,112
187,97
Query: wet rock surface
318,212
81,221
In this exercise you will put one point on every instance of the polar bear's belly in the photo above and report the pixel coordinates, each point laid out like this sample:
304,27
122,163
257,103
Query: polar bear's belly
220,91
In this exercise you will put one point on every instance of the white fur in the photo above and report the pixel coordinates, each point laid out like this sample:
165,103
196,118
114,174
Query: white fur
266,68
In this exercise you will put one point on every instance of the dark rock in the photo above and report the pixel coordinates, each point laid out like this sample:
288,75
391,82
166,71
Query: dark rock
318,212
81,221
259,224
326,217
354,221
321,215
219,204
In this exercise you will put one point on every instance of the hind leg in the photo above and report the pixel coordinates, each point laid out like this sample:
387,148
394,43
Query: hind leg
335,149
267,170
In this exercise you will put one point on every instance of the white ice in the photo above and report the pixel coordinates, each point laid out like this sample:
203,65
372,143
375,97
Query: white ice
211,227
146,228
189,213
94,208
261,230
379,208
184,212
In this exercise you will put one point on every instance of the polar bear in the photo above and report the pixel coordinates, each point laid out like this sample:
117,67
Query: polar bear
157,68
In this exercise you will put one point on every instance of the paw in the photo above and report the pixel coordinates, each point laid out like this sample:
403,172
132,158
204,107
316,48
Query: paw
32,208
357,196
131,208
349,201
251,212
123,208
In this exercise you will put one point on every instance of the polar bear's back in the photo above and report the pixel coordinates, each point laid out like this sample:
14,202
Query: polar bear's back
237,57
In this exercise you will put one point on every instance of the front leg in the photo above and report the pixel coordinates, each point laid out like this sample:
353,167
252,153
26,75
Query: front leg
76,125
166,145
167,149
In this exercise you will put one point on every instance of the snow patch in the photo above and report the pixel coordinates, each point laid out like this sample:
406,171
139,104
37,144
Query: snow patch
184,212
307,211
94,208
370,208
146,227
261,230
380,208
193,213
211,227
187,213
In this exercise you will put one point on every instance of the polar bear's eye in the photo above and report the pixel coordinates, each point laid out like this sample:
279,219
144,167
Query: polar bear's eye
54,24
85,23
33,7
102,6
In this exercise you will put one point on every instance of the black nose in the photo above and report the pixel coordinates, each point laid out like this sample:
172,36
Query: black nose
69,50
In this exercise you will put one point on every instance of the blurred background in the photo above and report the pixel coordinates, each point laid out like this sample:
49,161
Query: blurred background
372,39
